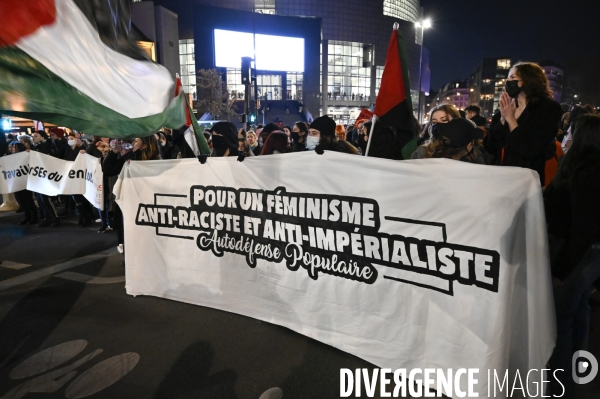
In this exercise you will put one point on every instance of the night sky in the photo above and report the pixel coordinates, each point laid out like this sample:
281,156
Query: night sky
465,31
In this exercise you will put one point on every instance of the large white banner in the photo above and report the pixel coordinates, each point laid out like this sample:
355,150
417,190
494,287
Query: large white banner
48,175
406,264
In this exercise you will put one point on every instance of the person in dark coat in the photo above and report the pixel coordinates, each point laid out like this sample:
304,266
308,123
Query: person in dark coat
178,140
322,133
43,144
224,139
298,136
527,130
84,208
25,197
573,216
168,150
120,152
472,112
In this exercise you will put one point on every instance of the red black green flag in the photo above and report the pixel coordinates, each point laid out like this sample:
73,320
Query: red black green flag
393,106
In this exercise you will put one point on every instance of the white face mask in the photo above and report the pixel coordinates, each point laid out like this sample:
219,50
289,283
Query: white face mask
72,142
312,142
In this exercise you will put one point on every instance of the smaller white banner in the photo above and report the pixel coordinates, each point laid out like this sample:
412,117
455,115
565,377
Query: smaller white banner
52,176
14,169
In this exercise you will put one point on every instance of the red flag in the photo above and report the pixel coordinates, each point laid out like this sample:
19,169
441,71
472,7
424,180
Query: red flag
393,106
21,18
365,114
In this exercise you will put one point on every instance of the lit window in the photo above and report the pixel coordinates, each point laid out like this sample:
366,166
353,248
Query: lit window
187,66
407,10
504,64
265,6
347,78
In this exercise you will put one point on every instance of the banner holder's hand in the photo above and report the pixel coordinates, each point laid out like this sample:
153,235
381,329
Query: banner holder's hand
242,155
202,158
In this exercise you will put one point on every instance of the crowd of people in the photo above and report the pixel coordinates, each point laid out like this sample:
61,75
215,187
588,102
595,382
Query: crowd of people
530,130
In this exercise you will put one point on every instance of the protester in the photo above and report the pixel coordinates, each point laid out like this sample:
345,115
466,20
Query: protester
26,140
25,197
362,139
457,139
277,143
321,137
340,132
527,130
146,149
58,135
384,143
168,150
298,136
472,112
44,145
97,148
244,147
270,128
442,113
573,217
287,130
224,139
252,141
121,152
573,115
84,208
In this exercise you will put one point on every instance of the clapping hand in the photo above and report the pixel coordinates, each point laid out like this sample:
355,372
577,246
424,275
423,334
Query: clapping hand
508,107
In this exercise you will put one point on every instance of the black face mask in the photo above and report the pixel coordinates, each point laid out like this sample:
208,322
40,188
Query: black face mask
219,143
295,136
512,88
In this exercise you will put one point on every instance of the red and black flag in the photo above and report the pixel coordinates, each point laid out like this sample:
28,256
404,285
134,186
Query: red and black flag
393,106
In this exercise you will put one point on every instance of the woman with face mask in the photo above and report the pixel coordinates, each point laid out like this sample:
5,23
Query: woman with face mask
298,135
442,113
529,120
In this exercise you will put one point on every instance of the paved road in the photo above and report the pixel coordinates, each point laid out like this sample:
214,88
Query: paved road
67,329
63,289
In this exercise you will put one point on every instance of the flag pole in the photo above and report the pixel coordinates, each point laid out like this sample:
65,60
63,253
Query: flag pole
371,135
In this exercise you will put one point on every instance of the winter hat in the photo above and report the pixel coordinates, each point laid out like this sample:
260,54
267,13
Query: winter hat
459,132
58,131
325,125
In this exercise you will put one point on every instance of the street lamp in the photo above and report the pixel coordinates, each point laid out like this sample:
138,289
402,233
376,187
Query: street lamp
421,26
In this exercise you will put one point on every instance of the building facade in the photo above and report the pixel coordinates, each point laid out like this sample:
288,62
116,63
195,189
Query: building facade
456,93
555,77
487,83
354,36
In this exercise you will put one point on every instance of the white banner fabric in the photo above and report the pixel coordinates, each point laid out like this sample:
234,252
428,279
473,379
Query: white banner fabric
15,170
48,175
406,264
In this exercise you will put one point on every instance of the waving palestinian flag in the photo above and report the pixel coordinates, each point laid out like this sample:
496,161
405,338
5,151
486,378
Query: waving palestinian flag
72,64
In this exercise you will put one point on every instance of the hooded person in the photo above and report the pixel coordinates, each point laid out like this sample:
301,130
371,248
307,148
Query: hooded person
457,139
224,139
321,137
